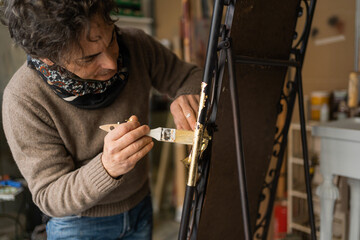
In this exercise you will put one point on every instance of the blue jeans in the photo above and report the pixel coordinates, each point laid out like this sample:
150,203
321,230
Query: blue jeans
136,224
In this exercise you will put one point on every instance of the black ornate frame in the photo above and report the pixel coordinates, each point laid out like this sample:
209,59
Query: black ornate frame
219,55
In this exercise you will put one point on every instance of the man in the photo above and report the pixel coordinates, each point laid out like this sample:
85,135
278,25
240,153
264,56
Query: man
83,72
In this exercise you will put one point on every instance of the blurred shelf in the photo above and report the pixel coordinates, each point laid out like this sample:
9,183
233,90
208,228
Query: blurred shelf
298,218
303,228
303,195
9,193
142,23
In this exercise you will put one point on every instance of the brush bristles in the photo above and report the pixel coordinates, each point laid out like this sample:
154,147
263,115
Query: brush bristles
183,136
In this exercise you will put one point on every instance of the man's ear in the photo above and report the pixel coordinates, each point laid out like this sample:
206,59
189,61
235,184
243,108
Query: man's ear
47,61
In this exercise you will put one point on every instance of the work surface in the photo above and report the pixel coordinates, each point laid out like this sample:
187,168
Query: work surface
340,153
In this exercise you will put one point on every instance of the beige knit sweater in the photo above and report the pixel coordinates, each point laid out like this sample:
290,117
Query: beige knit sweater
58,146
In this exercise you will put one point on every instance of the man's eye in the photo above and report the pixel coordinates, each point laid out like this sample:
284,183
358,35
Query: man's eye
88,60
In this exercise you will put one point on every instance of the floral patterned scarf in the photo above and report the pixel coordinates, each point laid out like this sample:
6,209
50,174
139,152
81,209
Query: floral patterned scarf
88,94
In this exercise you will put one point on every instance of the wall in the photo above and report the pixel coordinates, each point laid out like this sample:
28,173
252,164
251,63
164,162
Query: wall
327,67
167,15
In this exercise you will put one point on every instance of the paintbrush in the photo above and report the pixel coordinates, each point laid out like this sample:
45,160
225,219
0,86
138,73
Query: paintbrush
163,134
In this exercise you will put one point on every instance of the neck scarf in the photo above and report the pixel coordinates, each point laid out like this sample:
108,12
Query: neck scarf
87,94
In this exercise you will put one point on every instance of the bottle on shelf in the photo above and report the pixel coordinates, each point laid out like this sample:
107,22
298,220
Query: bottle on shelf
324,113
343,111
353,93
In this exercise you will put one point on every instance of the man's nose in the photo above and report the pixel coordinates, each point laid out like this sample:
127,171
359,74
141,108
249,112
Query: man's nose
109,61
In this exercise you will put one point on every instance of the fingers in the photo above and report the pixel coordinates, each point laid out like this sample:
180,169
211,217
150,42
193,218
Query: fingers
184,110
133,118
133,136
194,102
124,161
123,128
190,110
113,146
190,116
136,150
178,115
134,158
124,146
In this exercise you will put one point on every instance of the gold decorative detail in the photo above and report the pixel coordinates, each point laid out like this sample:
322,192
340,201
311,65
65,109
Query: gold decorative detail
195,154
203,97
203,86
200,142
204,144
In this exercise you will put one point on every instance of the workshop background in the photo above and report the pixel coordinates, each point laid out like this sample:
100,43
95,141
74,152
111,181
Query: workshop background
329,61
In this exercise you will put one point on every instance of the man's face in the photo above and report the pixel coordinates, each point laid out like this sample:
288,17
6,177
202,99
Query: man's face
98,58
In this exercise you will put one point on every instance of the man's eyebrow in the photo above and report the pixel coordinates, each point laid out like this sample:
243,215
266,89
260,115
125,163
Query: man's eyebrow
96,54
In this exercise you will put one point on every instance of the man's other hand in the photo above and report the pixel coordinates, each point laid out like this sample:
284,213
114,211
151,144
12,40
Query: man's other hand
184,110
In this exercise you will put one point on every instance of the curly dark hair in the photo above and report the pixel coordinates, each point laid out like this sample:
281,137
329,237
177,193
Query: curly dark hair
51,28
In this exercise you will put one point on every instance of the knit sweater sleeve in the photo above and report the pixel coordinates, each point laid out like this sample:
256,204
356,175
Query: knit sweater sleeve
58,188
169,74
